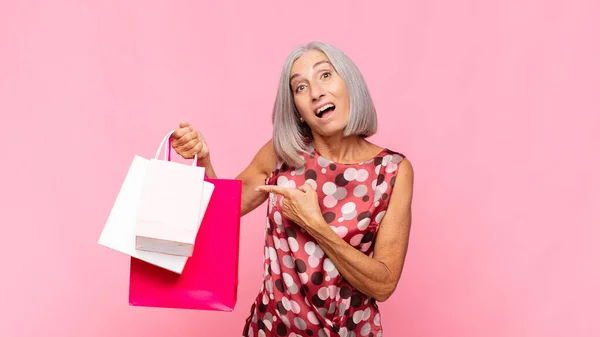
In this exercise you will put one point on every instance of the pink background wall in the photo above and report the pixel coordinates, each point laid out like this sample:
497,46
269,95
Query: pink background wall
497,104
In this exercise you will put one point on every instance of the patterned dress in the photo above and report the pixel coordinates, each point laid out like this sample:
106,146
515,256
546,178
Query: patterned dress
303,293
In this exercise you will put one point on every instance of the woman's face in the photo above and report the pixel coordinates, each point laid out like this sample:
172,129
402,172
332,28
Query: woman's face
320,94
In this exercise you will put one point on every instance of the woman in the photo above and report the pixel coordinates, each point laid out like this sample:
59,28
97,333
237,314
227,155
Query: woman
339,210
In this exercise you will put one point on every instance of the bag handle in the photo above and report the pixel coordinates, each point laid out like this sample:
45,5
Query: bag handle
167,149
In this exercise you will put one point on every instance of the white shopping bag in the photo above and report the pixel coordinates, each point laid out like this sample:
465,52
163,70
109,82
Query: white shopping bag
119,232
170,206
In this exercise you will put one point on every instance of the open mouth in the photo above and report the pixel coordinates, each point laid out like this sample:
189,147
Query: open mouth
325,110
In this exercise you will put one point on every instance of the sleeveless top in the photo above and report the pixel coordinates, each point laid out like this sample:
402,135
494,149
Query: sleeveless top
302,293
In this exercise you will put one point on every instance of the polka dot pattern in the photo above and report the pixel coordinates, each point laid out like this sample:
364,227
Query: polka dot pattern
303,293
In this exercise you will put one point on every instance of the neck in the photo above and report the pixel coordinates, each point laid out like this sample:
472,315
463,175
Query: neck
343,149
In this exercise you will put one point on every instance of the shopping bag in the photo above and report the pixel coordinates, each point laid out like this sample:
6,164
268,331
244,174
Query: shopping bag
170,208
119,230
210,278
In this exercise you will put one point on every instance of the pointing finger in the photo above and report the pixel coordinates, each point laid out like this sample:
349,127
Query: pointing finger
285,191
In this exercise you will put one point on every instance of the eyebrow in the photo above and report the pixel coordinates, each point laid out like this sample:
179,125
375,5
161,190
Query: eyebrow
314,66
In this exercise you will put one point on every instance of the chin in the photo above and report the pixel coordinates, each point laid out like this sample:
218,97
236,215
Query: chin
331,131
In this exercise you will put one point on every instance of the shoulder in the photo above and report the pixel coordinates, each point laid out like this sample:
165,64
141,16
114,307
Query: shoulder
401,166
402,183
389,156
405,167
395,155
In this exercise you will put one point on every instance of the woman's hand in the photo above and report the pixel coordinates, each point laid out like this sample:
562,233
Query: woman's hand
188,142
300,205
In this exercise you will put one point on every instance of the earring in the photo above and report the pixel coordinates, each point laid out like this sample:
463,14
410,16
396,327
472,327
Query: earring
301,120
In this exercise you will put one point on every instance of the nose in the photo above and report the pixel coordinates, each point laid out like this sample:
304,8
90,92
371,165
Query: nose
316,92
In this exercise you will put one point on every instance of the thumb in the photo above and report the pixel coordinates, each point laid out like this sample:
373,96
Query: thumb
183,124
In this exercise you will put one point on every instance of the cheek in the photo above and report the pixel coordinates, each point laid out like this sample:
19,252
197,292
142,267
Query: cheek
346,100
302,106
344,94
341,92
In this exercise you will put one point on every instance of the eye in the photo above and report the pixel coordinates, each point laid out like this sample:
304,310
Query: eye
326,74
300,87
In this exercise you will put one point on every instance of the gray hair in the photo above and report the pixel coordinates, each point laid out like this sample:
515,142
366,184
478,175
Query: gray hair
291,138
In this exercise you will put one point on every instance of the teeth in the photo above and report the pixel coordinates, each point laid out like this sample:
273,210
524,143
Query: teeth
325,107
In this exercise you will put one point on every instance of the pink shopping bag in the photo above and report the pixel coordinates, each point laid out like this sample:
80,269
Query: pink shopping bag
210,277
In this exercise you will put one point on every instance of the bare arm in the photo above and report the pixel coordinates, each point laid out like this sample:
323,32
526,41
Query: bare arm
210,171
188,143
255,175
252,176
377,276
